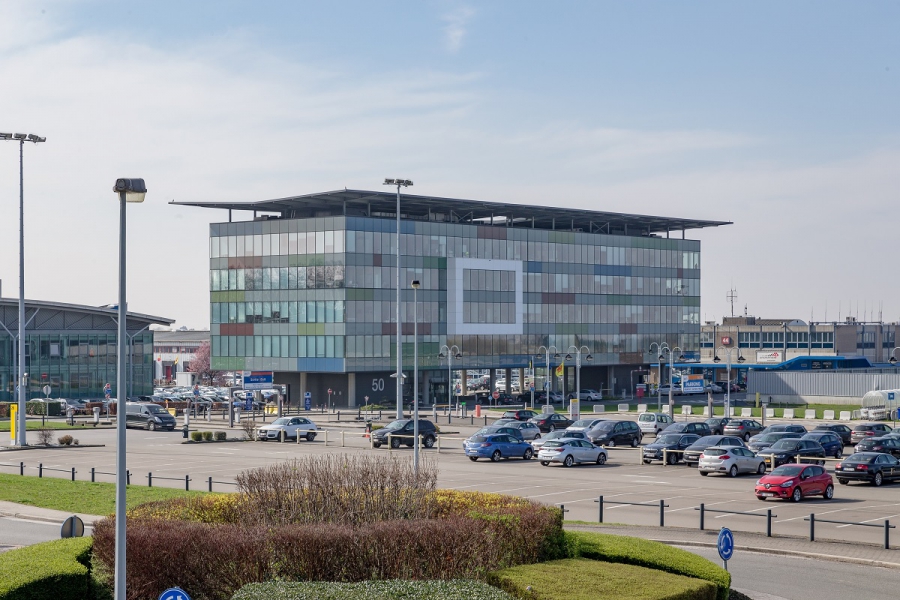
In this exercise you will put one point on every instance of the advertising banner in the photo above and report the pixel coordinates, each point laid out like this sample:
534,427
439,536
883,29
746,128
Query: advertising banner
769,356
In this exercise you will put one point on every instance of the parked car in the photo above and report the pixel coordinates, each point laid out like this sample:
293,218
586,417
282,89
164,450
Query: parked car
874,467
787,450
651,422
692,453
504,429
559,434
668,441
887,444
730,461
291,426
761,442
698,427
838,428
743,428
585,425
664,390
569,451
401,432
587,395
528,430
147,415
831,442
864,430
785,427
79,406
520,415
552,422
725,385
503,422
713,388
795,482
717,425
616,433
496,446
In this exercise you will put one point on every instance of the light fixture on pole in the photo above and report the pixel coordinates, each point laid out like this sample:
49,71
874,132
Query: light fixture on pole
21,440
129,190
546,350
588,358
415,287
450,355
399,374
671,353
716,359
660,359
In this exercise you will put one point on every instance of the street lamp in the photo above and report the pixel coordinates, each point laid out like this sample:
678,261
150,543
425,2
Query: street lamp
415,286
659,362
547,358
716,359
399,375
21,138
671,352
588,358
129,190
450,355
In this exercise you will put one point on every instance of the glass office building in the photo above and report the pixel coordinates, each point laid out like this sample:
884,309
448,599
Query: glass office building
73,349
306,288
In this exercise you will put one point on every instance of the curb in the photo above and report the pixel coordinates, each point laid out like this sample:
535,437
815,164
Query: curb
36,447
53,520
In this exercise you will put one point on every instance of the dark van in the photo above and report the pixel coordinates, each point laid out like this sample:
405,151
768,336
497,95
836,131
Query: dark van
147,415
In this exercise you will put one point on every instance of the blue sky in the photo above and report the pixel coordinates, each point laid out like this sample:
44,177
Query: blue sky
779,116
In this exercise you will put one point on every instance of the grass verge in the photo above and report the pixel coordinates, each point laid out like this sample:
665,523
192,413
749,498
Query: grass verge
34,425
56,570
78,496
372,590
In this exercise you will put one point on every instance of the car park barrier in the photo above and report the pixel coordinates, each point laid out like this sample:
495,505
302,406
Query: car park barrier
642,408
623,408
845,415
788,413
666,455
662,508
746,412
599,408
768,516
187,480
886,525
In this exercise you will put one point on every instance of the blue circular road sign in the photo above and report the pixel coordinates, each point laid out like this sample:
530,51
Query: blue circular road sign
174,593
725,544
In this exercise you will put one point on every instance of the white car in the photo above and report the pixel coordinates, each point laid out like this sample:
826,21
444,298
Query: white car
529,430
715,388
570,451
292,426
538,443
730,461
650,422
587,395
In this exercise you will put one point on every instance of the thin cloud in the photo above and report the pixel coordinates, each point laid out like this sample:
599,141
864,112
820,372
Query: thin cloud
455,28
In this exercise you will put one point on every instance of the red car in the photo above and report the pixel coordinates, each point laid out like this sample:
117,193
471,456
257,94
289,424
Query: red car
793,482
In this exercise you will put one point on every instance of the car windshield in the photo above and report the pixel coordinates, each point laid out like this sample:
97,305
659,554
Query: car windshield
785,445
583,423
477,439
787,471
677,427
396,424
859,458
156,409
770,437
554,444
646,417
707,440
715,451
606,425
668,439
282,421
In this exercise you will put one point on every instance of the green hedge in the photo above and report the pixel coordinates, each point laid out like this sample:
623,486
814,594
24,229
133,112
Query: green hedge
56,570
584,579
646,553
394,589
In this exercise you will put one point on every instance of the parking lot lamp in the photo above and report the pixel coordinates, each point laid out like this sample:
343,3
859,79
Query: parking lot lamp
660,359
717,360
21,440
415,287
399,375
671,353
588,358
450,353
129,190
546,350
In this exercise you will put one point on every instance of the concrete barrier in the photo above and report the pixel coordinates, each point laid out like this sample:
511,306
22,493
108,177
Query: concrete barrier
770,413
746,411
828,414
642,408
731,412
705,411
845,415
810,413
547,409
623,408
599,408
789,413
686,409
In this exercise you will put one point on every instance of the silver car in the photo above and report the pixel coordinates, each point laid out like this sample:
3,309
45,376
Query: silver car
569,451
537,443
730,461
529,430
584,425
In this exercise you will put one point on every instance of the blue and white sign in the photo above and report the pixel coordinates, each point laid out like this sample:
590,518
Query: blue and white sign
725,544
890,395
174,594
692,386
257,380
307,400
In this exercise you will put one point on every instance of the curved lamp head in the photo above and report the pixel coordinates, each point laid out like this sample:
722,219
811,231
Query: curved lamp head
556,356
682,358
716,359
741,359
568,357
415,284
893,360
589,358
458,355
442,355
134,189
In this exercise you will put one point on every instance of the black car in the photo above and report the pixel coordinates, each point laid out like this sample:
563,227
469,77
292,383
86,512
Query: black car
697,427
787,450
830,441
668,441
842,431
785,427
760,442
864,430
887,445
401,432
520,415
875,467
616,433
692,453
551,422
717,425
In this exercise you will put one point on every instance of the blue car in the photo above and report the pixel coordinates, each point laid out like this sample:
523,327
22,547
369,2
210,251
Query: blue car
832,442
496,446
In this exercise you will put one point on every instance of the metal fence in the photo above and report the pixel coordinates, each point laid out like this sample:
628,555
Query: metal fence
849,384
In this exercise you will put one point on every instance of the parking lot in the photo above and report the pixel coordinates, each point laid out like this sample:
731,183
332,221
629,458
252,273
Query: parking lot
623,478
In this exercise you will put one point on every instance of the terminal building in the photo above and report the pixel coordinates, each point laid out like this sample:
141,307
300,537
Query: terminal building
306,288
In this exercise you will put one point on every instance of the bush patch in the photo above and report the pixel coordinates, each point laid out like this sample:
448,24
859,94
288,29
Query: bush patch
372,590
56,570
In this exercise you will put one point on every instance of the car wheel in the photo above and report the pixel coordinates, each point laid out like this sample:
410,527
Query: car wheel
395,443
376,444
601,458
671,458
838,454
528,454
569,461
843,481
473,458
704,473
646,462
428,442
878,479
733,471
763,498
311,436
496,456
797,495
829,492
552,427
151,426
746,437
611,443
634,442
545,462
762,469
537,437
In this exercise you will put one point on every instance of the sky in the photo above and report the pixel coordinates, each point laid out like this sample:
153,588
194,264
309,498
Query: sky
781,117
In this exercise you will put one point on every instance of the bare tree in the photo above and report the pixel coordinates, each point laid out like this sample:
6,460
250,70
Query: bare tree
201,365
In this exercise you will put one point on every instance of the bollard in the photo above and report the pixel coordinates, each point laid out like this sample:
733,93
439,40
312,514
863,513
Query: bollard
210,483
187,483
298,439
127,477
434,413
600,510
40,469
338,415
22,469
149,479
73,473
812,527
887,534
438,441
325,433
283,435
390,445
769,523
562,508
471,419
702,515
662,513
342,438
92,474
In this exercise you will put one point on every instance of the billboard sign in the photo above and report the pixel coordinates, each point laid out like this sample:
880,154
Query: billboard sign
692,384
769,356
257,380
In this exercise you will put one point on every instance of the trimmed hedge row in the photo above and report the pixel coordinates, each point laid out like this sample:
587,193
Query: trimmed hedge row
57,570
646,553
372,590
585,579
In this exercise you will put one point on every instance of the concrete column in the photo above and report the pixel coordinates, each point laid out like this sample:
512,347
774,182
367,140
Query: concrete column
304,387
424,387
492,380
351,390
463,383
522,387
508,381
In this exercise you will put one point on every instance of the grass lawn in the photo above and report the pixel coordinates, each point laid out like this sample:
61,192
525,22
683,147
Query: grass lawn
33,425
77,496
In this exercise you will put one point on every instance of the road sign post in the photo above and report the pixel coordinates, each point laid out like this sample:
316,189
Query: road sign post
725,545
307,401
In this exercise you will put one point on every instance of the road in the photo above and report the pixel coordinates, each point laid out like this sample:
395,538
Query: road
21,532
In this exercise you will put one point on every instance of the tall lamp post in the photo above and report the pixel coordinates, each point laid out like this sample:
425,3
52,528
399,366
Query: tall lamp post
415,286
717,360
659,362
399,183
588,358
449,354
129,190
671,353
546,350
20,376
893,361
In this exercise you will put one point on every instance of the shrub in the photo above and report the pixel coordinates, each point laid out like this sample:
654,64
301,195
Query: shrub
207,436
45,436
75,441
65,440
372,590
249,427
220,436
56,570
646,553
196,436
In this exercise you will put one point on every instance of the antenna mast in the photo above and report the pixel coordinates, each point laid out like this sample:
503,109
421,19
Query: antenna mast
732,296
